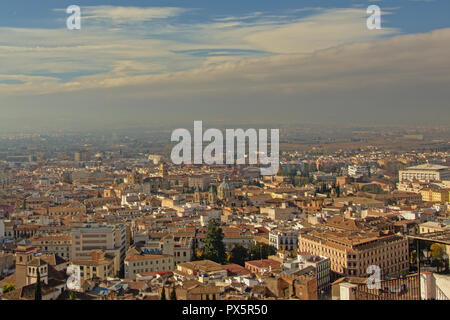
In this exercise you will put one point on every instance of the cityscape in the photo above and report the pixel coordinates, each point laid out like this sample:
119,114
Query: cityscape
103,195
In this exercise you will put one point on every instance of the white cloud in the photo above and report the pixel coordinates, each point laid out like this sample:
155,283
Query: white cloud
402,60
117,14
133,56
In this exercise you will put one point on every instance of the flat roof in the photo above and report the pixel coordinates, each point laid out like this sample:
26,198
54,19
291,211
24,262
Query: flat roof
438,236
428,166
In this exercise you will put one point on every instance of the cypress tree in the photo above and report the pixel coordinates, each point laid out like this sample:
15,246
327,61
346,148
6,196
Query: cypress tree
37,288
173,294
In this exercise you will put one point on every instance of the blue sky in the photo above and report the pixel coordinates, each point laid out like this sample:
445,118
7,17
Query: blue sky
410,15
218,59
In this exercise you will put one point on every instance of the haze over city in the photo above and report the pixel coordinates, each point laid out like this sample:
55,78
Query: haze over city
236,156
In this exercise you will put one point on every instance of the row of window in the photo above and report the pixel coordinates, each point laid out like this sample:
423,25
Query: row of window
142,263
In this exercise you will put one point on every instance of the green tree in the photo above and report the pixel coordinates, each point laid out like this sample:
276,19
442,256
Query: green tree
239,254
72,295
37,287
437,250
281,172
8,288
198,255
173,294
214,246
338,191
163,293
372,188
261,251
24,204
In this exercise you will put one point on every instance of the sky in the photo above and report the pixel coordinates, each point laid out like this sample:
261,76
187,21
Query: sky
142,63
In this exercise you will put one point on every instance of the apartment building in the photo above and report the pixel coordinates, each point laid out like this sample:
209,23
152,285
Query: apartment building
321,265
181,250
203,270
278,214
60,245
351,253
93,236
71,210
262,266
355,171
142,263
6,263
306,264
99,265
431,226
435,195
285,286
283,239
232,238
425,172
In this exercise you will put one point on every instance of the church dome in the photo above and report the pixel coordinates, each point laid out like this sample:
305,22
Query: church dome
224,185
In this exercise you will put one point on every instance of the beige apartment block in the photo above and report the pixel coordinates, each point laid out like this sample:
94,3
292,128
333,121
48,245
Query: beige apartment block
425,172
60,245
93,236
352,253
142,263
99,265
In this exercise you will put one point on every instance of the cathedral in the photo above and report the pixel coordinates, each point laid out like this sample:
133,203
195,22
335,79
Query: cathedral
225,191
209,198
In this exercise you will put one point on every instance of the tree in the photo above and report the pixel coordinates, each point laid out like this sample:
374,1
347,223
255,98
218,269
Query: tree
198,255
173,294
338,191
239,254
72,295
163,293
261,251
214,246
437,250
8,288
24,204
281,172
37,287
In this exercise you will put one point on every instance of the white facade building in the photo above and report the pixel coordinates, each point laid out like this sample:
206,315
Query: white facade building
357,171
425,172
283,239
